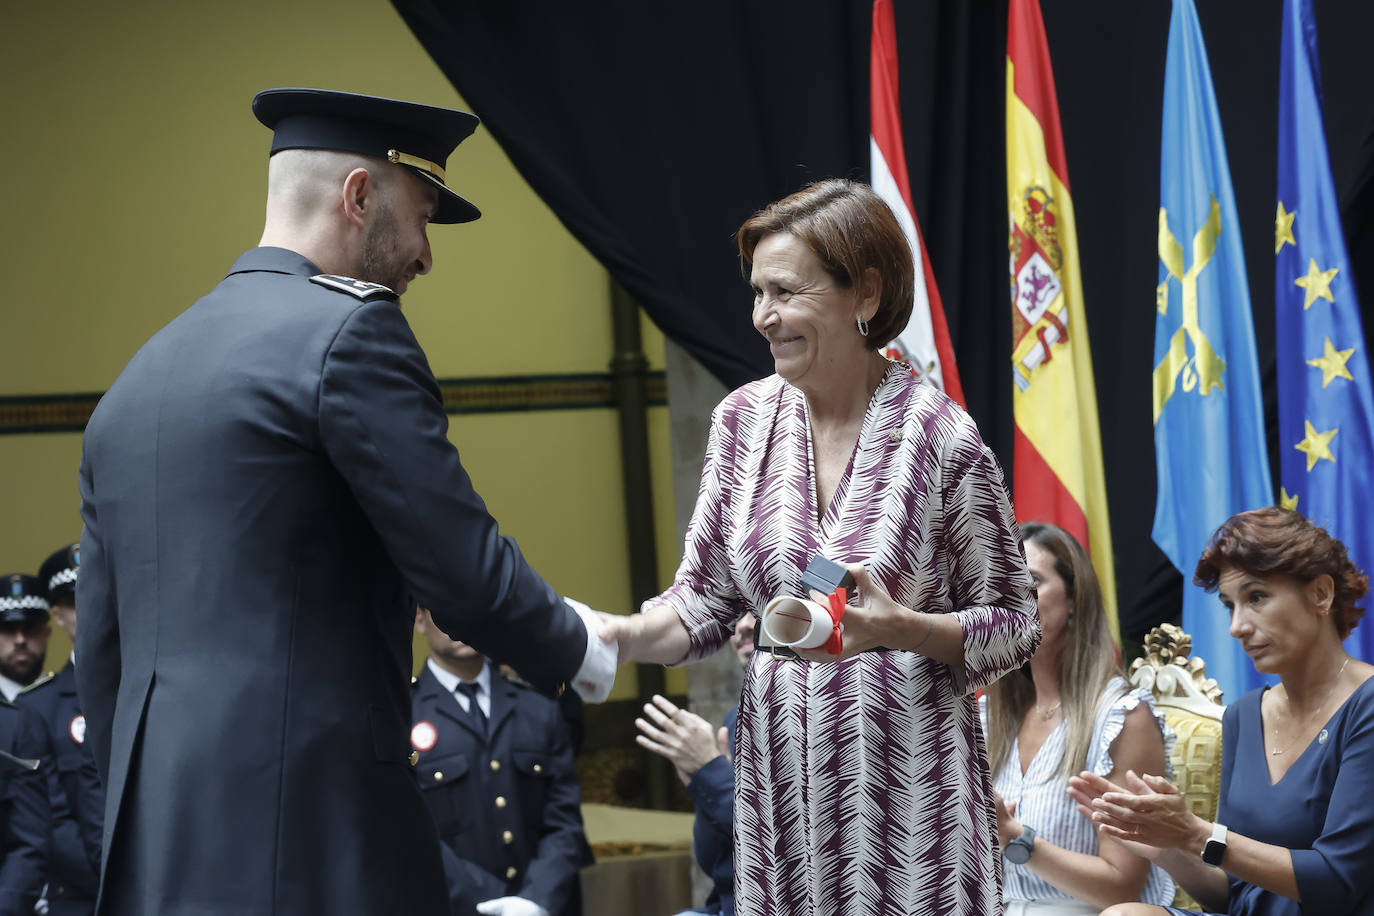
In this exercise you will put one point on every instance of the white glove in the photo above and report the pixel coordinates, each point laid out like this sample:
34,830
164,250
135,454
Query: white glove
511,906
595,678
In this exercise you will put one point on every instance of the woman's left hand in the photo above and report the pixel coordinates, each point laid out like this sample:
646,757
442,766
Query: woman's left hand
1008,827
1152,812
865,623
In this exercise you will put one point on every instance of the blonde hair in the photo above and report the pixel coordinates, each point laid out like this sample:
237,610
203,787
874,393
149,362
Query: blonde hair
1087,662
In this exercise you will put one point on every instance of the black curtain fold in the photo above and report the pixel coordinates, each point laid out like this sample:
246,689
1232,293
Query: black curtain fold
654,130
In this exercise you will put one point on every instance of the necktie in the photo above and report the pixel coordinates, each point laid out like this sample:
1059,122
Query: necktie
470,689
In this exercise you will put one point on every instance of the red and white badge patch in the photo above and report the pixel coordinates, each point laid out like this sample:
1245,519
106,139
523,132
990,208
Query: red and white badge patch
78,729
423,736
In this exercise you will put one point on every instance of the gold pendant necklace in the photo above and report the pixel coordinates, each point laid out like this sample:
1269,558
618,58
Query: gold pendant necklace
1330,692
1047,714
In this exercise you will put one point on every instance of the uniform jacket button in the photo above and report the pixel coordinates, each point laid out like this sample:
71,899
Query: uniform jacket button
538,768
500,801
438,776
414,757
507,837
496,766
511,872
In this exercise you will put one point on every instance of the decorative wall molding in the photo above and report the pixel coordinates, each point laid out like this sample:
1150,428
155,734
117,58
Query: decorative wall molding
68,413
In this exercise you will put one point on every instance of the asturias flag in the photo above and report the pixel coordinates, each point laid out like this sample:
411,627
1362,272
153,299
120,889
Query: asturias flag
925,344
1326,403
1209,426
1058,474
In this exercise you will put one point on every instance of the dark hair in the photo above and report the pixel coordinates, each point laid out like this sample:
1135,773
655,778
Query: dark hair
1280,542
851,231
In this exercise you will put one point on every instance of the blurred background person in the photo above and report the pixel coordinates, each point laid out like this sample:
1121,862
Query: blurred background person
861,777
702,758
24,632
1294,825
496,769
74,790
1070,709
25,813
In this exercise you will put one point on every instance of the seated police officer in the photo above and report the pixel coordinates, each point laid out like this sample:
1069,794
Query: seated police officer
74,789
24,632
24,808
496,767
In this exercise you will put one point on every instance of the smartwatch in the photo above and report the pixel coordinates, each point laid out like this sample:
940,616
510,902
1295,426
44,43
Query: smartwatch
1018,851
1215,849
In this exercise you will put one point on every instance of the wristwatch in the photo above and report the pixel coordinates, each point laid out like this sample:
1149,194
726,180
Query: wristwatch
1018,851
1214,850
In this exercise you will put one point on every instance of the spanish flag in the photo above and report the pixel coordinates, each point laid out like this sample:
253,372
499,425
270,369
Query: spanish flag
1058,453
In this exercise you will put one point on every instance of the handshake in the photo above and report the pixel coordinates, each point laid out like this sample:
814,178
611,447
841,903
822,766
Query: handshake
595,678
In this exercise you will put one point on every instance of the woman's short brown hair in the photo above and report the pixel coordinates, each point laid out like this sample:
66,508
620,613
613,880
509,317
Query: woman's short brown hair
1280,542
851,231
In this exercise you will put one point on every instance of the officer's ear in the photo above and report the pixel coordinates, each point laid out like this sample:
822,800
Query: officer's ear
359,195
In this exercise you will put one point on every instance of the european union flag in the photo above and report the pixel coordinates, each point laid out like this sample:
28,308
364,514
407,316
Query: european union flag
1210,455
1326,404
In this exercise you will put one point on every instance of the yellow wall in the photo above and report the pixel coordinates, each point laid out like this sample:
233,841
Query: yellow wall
137,176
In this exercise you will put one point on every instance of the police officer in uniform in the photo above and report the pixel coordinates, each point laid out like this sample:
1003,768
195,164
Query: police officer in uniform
266,489
24,808
73,787
496,767
24,632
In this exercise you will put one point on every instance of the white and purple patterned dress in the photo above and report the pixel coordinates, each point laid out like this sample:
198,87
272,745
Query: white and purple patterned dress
863,785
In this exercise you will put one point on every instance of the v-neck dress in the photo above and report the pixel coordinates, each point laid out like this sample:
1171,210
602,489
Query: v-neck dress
862,786
1322,810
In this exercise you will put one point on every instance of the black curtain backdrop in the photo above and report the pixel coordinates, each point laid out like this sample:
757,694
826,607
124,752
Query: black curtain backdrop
654,130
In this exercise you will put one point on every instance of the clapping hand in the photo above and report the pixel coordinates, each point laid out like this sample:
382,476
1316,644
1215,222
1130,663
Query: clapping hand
1008,827
1145,816
685,738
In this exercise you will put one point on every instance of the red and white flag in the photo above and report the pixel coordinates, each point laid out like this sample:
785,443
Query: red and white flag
924,345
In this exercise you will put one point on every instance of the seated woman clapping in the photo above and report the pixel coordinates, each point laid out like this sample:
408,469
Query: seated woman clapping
1295,823
1070,708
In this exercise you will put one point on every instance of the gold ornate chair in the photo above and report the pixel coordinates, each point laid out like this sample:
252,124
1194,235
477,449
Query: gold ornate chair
1191,703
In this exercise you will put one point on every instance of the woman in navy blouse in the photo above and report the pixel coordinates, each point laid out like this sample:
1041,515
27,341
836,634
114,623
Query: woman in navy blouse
1295,823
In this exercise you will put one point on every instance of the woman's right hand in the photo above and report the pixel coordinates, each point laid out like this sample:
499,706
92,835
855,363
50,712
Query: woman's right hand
627,630
655,636
1087,787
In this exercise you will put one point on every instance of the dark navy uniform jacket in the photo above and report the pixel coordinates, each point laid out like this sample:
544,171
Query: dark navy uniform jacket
712,790
75,792
508,805
24,812
267,488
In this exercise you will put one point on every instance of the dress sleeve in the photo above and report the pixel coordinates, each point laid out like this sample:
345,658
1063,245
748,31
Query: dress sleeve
1334,876
988,583
1114,720
703,593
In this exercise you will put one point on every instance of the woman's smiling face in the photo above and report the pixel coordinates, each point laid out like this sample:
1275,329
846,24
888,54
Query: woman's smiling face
806,315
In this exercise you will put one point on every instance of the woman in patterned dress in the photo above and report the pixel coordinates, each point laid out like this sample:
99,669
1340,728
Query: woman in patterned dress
862,779
1295,822
1070,709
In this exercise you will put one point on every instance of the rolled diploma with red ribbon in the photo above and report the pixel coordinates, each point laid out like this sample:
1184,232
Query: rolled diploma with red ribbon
800,623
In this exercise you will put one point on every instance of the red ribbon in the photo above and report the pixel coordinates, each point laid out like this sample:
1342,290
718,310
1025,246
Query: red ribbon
835,603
